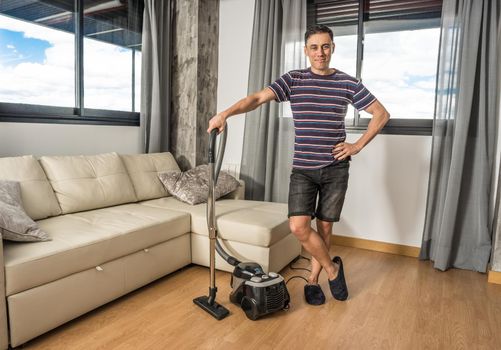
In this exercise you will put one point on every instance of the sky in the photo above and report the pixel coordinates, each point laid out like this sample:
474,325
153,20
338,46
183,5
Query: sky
16,49
37,67
399,68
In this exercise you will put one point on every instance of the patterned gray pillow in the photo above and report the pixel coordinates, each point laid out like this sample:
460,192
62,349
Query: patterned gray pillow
192,186
15,224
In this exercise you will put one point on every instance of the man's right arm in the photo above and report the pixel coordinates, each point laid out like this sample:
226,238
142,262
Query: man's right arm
245,105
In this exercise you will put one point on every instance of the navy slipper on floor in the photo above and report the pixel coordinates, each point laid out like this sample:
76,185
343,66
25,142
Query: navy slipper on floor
314,294
338,286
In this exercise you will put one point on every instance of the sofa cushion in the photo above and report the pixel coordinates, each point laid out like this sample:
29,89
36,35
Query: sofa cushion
87,239
39,200
253,222
88,182
15,224
143,170
192,186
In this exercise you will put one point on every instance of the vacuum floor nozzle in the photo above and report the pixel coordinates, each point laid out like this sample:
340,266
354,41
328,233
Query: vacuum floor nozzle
217,310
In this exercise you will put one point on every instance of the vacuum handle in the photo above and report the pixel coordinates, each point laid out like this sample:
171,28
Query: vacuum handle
217,157
212,145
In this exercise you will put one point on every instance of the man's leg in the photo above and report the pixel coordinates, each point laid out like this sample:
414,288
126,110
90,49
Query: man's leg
314,244
324,229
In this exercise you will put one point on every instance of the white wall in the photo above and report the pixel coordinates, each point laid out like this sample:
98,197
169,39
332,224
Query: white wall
60,139
235,34
386,198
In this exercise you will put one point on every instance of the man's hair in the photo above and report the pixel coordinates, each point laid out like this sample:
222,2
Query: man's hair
316,29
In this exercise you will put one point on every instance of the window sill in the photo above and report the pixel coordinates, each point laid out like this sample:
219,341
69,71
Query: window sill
394,130
19,113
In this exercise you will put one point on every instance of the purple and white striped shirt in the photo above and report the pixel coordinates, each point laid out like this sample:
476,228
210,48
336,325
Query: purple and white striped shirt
319,104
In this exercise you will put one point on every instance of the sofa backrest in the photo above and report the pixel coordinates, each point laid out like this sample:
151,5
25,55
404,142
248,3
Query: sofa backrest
143,170
88,182
39,200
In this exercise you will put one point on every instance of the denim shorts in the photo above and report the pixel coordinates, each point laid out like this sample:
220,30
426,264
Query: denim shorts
328,184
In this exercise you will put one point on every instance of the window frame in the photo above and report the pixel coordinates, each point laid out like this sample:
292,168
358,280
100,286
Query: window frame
396,126
31,113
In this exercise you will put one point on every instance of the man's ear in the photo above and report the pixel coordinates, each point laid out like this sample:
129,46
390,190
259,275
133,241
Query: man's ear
333,47
304,49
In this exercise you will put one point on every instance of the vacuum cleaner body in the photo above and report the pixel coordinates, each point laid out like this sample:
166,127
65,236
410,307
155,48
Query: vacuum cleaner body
258,293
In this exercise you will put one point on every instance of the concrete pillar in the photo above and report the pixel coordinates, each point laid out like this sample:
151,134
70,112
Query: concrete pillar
194,79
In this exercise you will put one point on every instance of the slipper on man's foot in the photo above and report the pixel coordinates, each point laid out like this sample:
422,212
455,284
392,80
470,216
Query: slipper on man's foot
338,286
314,294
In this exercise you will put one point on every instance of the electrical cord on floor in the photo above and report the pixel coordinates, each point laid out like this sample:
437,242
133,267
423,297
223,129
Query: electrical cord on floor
298,268
297,276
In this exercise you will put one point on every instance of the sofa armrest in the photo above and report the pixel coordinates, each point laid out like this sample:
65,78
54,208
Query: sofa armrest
4,332
239,193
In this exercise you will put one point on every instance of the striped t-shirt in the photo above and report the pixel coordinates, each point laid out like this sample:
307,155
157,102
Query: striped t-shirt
319,104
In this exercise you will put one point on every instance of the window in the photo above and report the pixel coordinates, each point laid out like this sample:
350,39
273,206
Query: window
37,63
392,45
68,61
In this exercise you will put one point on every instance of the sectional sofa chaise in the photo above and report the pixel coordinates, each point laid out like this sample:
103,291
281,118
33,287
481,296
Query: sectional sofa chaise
114,228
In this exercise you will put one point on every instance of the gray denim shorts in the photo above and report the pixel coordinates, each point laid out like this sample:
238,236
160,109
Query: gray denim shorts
328,185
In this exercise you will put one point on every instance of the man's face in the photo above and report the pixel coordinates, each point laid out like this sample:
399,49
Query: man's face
319,49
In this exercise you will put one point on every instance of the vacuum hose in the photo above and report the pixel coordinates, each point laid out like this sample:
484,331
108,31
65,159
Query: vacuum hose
215,162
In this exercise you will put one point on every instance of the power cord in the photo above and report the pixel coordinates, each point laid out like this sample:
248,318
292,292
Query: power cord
298,268
297,276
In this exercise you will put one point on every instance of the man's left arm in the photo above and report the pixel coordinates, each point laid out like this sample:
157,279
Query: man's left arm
380,117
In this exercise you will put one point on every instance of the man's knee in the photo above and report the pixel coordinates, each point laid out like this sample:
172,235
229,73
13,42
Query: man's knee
300,227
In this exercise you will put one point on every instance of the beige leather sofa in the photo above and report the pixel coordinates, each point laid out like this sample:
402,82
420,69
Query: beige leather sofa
114,228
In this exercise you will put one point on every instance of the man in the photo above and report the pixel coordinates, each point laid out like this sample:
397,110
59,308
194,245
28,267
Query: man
319,97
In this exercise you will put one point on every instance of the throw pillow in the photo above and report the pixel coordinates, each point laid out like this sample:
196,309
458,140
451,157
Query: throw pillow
192,186
15,224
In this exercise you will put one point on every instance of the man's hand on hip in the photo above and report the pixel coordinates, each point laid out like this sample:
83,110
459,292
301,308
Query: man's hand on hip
344,149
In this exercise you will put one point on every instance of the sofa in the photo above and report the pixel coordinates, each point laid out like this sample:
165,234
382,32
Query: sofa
115,228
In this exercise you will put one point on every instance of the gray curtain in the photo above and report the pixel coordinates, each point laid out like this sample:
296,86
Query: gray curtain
458,223
156,75
277,42
495,264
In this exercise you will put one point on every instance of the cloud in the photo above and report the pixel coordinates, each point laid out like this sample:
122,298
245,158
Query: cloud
12,47
107,71
398,67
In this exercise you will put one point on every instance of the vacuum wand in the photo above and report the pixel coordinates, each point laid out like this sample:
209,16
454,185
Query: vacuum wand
208,303
215,162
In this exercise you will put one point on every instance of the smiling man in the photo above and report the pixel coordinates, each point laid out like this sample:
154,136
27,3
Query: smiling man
319,98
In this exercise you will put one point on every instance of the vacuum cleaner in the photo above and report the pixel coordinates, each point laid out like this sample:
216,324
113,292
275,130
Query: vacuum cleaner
257,293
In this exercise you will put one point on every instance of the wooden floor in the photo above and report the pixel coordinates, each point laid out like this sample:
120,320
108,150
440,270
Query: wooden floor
395,302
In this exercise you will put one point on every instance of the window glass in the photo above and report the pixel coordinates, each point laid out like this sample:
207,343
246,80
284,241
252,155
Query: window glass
111,35
399,51
37,53
400,67
38,57
345,52
342,18
137,81
345,55
107,76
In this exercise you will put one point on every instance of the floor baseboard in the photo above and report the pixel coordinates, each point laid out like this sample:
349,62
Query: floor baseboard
377,246
494,277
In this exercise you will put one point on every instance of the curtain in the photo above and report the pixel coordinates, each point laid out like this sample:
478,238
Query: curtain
458,222
496,251
156,75
277,47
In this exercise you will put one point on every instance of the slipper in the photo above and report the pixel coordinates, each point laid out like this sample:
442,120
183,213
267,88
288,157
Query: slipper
314,294
338,286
